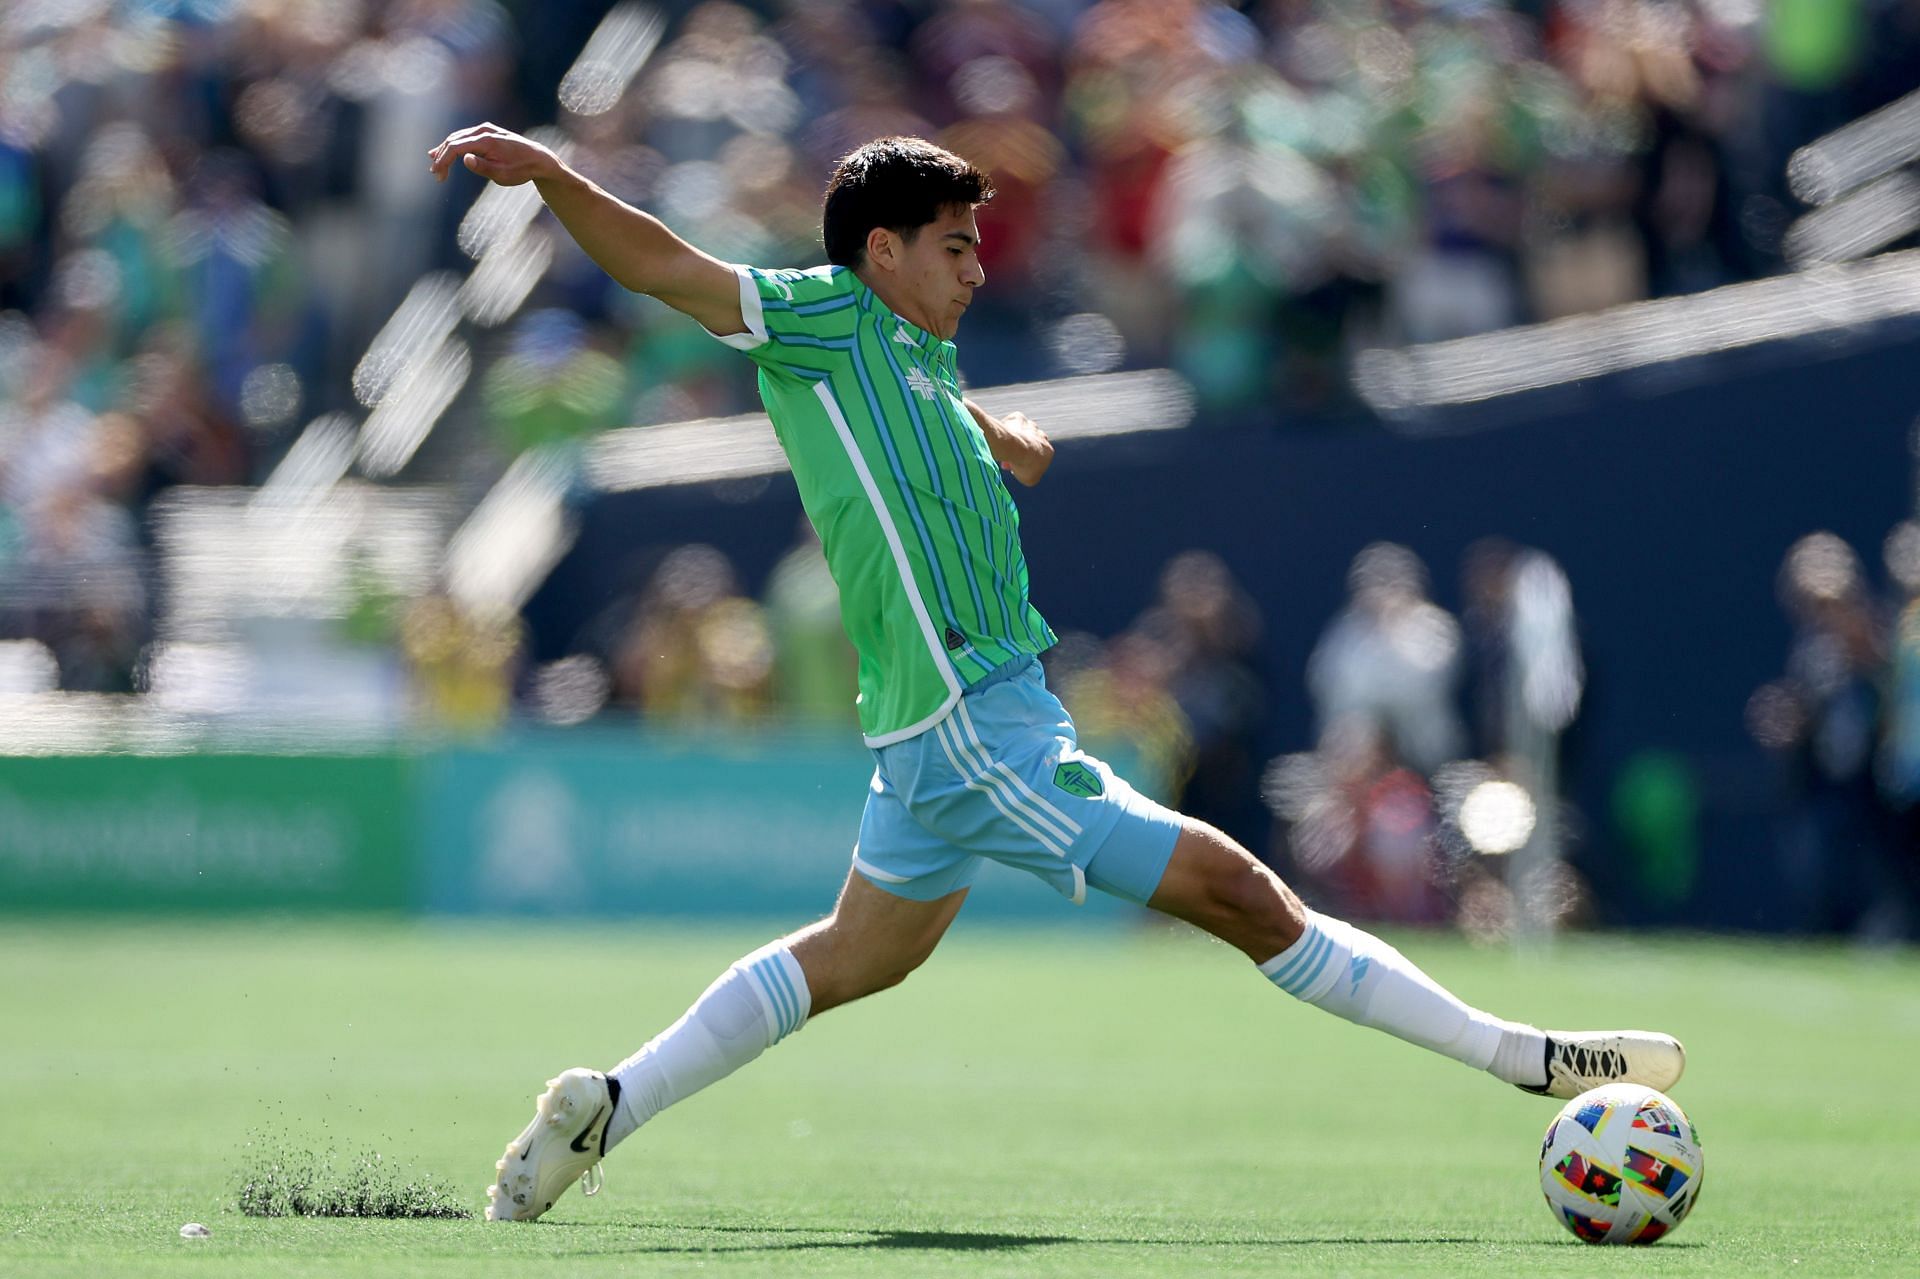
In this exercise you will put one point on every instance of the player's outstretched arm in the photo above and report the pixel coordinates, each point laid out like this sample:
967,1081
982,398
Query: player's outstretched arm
633,247
1016,443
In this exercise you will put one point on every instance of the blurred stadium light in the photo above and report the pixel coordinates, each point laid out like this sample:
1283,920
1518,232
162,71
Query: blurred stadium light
229,561
499,215
423,321
1853,174
512,539
1858,223
1497,817
1399,383
504,278
723,448
615,52
410,374
315,462
245,647
425,389
1856,154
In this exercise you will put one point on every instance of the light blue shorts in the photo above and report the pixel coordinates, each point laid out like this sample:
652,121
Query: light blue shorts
1003,777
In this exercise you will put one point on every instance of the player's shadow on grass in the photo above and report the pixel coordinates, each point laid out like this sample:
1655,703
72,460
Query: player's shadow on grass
803,1239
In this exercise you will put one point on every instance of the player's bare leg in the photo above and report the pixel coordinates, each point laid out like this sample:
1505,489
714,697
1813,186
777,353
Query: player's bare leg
870,942
1217,885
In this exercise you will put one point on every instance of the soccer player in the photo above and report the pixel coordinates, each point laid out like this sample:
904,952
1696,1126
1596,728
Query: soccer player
975,758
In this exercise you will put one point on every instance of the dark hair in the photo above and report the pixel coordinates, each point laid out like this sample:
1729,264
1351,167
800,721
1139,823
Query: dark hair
901,184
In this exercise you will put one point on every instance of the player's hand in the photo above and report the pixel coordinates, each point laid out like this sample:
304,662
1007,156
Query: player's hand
496,154
1032,453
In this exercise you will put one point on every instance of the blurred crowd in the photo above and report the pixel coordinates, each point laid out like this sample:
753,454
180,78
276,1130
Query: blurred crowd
1174,700
207,209
1406,809
1252,192
1842,724
1433,791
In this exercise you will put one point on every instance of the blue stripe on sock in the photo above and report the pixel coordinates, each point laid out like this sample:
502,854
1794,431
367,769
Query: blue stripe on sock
1319,964
780,971
1298,976
1299,963
753,971
1281,975
770,975
787,999
773,995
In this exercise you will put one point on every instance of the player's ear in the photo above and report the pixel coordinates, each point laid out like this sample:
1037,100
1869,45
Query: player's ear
883,248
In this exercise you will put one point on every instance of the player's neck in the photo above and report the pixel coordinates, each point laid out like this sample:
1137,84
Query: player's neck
903,307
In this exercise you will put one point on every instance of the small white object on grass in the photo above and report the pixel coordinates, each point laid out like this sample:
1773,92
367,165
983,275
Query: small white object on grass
194,1230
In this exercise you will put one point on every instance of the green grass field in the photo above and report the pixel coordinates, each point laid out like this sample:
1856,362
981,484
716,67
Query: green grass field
1067,1102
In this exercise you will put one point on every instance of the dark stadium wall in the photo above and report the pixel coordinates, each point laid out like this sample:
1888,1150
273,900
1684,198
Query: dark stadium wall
1669,500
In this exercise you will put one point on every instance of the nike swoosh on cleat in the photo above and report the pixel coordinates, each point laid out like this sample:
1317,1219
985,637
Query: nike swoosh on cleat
579,1144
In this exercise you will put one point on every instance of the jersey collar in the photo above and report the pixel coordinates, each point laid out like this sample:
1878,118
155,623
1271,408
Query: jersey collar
904,332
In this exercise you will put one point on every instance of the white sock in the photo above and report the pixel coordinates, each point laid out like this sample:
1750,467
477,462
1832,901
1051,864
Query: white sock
1357,976
751,1007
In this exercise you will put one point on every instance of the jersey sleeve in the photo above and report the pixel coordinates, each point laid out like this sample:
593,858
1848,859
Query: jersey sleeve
798,322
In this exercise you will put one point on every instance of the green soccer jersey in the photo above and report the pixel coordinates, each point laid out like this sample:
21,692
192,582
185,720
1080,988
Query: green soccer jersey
919,530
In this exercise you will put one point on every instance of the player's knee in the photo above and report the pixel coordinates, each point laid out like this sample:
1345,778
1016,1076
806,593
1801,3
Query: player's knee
886,979
886,976
884,972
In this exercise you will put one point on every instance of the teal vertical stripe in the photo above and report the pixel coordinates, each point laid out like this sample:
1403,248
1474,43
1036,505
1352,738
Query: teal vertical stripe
964,552
963,456
902,487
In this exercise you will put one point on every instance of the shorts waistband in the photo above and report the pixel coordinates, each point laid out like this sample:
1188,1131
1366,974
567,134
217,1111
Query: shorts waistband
1002,673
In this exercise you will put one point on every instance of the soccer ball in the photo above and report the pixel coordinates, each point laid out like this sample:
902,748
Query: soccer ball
1621,1164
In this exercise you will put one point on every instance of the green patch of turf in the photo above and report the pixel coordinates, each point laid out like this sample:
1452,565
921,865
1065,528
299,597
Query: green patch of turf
1068,1102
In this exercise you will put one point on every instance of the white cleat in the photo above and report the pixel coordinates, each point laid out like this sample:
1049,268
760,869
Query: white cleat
562,1145
1578,1060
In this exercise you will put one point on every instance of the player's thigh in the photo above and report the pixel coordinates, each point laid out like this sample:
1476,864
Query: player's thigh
1217,885
872,941
898,855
